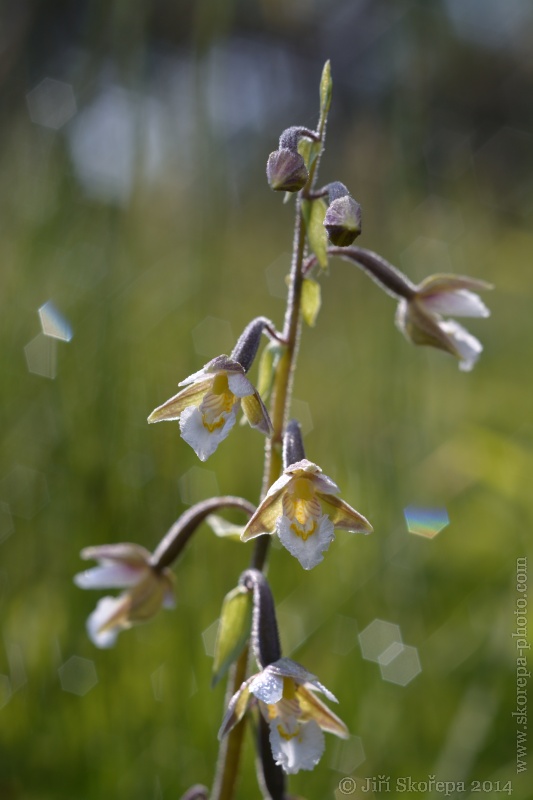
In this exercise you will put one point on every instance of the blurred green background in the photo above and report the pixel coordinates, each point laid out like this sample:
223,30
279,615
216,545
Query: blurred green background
133,200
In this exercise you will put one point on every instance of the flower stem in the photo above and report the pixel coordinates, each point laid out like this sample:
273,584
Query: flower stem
229,753
230,750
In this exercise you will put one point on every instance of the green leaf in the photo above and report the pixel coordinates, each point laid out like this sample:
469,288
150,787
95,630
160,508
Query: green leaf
309,151
221,527
233,630
326,86
314,212
267,368
311,301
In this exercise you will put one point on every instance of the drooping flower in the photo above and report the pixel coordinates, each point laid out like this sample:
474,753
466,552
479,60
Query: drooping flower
303,508
207,408
286,694
125,566
420,316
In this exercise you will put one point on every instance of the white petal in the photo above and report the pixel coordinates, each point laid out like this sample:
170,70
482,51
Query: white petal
267,686
309,552
239,385
196,376
109,575
106,608
459,302
279,484
296,745
202,441
468,347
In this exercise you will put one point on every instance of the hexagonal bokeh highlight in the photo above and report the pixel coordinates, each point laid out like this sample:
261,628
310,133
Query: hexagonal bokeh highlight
427,522
347,755
276,275
377,638
51,103
301,411
53,323
196,484
213,336
25,490
78,675
41,356
7,525
400,664
209,638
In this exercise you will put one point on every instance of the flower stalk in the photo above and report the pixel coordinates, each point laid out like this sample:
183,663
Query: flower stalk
298,502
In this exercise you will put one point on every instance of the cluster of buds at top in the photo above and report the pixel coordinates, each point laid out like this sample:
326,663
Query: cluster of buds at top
286,169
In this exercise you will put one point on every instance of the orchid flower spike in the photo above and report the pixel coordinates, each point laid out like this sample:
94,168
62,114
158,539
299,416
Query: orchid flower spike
419,317
302,507
286,695
207,408
123,566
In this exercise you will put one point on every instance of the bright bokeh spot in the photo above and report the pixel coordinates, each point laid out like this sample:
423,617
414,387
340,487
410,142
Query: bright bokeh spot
378,637
276,275
78,675
196,484
41,356
213,336
400,664
348,754
51,103
426,522
53,323
209,638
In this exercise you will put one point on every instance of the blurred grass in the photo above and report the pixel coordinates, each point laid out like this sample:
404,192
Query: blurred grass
393,425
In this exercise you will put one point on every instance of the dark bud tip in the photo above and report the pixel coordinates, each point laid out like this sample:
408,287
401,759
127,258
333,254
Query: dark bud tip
343,221
286,171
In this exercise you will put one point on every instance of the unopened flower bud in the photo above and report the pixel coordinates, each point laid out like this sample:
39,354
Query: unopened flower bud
343,221
286,171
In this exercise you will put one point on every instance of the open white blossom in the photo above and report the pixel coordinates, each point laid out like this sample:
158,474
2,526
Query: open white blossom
420,318
207,408
123,566
303,508
286,695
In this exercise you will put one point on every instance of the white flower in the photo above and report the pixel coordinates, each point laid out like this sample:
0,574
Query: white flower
420,320
303,508
286,695
123,566
207,408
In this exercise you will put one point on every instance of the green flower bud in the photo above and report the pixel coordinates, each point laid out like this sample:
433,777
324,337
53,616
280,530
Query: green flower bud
286,171
343,221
